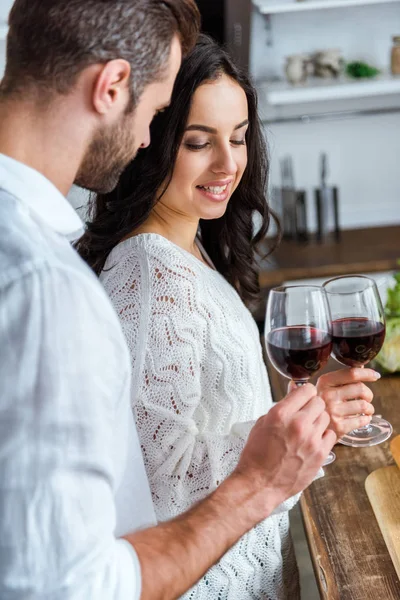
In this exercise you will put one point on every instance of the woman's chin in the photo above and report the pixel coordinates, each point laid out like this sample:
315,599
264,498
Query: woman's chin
216,212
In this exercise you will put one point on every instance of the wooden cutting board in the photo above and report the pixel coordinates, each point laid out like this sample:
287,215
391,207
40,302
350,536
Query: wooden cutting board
383,490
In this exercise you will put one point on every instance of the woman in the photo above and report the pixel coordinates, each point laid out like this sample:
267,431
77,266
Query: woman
175,247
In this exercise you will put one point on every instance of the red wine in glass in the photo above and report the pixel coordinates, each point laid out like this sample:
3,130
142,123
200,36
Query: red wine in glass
298,333
298,352
358,329
356,340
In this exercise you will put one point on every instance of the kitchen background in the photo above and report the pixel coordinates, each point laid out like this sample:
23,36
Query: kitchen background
363,151
362,148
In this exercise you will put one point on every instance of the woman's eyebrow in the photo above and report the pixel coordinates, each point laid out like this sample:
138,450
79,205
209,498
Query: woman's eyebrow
242,124
206,129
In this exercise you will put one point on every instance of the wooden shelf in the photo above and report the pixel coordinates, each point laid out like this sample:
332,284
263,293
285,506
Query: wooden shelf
268,8
368,250
278,93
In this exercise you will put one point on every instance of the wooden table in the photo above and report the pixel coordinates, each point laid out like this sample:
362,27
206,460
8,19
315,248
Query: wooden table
349,555
358,251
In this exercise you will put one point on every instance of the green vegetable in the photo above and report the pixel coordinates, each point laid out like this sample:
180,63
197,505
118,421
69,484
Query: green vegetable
393,300
388,359
389,356
358,70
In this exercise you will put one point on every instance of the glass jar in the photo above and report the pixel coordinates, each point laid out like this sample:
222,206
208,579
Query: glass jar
395,57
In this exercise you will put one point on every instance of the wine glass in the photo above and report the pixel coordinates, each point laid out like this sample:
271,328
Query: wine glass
358,332
298,333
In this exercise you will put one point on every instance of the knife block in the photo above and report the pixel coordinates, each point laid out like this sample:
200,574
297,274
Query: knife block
293,214
327,210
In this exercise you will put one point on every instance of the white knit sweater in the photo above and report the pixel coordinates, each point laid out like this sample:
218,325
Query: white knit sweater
199,383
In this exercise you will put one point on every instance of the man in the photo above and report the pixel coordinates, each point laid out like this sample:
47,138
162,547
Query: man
82,82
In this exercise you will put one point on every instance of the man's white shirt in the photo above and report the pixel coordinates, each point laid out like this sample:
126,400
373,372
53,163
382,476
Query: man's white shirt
72,478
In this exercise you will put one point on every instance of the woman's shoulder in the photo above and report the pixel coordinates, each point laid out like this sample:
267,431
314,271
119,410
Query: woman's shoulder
150,246
153,255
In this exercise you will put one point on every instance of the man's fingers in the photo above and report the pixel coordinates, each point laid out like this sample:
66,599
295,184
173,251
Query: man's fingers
321,423
313,408
298,398
346,376
329,439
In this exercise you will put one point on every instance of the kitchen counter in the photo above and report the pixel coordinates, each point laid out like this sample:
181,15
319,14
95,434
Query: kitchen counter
359,251
349,555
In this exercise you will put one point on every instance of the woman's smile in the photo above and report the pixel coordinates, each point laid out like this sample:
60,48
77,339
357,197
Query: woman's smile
216,191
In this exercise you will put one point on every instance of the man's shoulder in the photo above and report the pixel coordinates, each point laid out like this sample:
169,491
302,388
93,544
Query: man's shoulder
27,246
40,269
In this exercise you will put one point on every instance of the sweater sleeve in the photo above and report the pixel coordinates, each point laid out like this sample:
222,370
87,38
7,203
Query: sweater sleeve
165,328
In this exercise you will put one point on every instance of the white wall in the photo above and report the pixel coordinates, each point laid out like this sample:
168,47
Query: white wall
2,56
363,152
364,157
5,6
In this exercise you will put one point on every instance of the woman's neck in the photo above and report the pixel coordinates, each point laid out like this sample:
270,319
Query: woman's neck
177,228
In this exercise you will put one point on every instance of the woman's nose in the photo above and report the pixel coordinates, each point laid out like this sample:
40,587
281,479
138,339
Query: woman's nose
225,163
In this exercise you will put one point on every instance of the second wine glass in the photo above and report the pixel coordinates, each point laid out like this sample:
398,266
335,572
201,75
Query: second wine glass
358,329
298,333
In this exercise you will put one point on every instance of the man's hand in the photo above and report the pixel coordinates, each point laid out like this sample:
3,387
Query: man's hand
282,456
286,447
347,397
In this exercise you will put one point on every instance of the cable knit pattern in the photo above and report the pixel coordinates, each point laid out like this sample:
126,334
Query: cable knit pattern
199,383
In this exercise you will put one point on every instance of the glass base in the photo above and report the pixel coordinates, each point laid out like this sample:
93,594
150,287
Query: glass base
376,432
329,459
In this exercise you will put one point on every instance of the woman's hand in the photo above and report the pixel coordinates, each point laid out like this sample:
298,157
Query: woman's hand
346,396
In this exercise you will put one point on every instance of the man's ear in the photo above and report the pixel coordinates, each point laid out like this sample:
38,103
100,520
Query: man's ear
111,88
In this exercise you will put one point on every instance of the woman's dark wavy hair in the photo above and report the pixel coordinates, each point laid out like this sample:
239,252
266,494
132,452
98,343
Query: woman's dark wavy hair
230,240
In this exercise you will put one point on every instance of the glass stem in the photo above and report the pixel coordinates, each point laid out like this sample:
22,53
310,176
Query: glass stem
364,428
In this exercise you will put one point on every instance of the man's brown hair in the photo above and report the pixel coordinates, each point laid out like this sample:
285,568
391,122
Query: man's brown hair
51,41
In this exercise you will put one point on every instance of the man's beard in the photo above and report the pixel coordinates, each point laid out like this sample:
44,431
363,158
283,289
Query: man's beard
109,153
